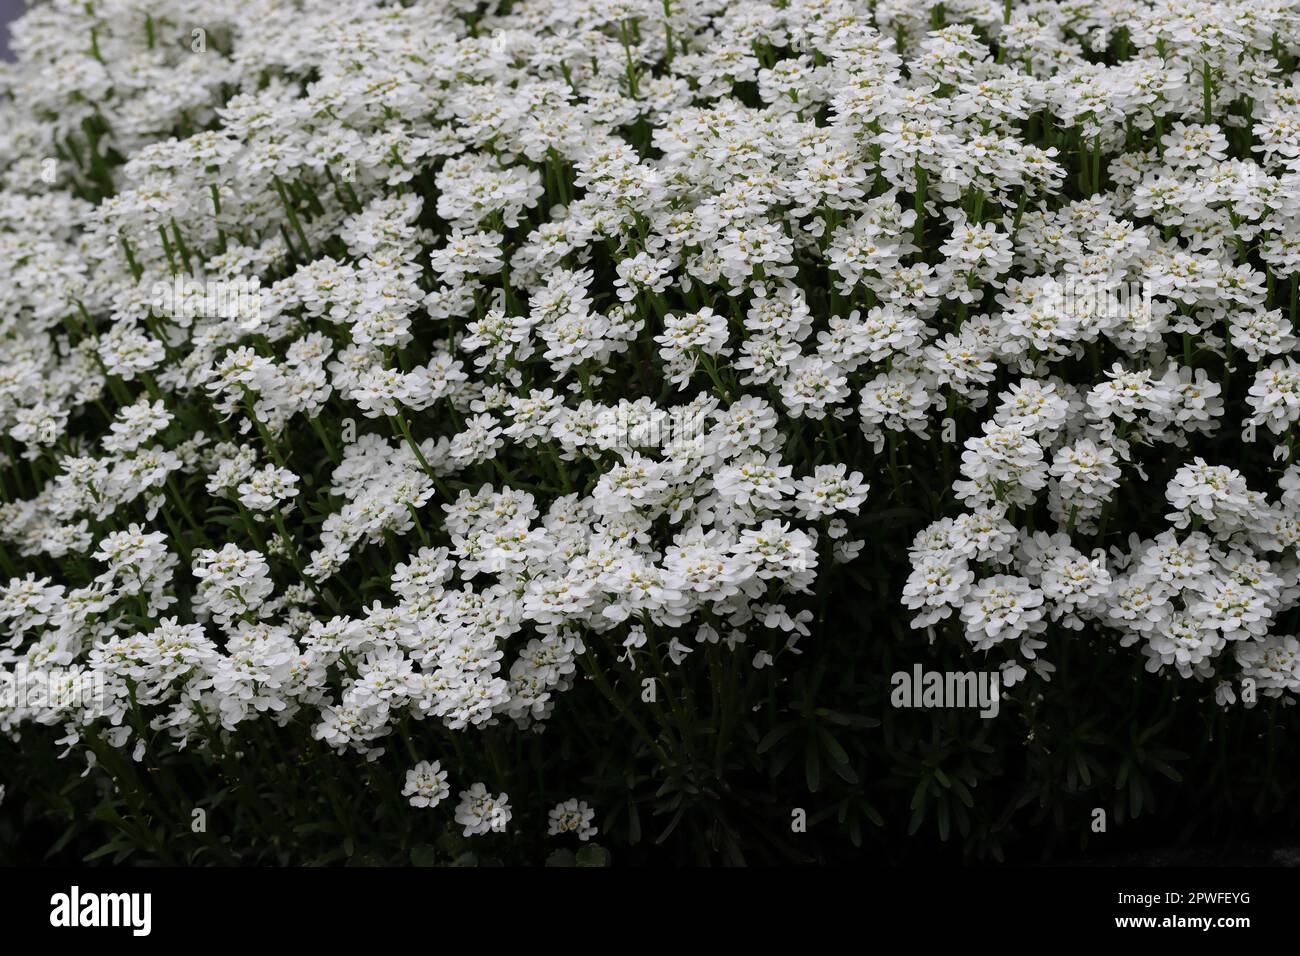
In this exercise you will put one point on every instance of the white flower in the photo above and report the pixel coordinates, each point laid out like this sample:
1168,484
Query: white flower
572,816
232,582
830,489
479,812
1272,663
265,489
426,784
1001,608
687,337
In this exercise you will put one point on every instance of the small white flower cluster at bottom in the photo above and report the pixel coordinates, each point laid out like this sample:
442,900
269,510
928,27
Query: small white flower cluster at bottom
479,811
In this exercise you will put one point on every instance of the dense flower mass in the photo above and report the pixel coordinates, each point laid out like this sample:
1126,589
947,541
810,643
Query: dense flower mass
385,369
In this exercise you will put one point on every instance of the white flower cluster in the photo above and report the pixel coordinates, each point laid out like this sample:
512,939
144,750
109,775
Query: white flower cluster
479,310
492,241
426,784
572,816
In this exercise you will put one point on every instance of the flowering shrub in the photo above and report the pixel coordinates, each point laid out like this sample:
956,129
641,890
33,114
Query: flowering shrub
385,385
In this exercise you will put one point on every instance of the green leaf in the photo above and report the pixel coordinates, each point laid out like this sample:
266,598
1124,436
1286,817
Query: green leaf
101,852
833,748
424,855
918,796
774,737
812,765
593,855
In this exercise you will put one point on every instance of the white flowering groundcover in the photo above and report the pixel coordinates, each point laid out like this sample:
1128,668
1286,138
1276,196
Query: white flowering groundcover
537,429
